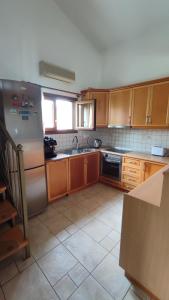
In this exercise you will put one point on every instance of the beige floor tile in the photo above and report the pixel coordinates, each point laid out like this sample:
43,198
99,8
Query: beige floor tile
57,263
114,236
75,214
90,290
131,296
111,277
23,263
55,225
29,285
1,295
107,243
72,228
110,218
65,287
78,274
41,240
63,235
97,230
116,251
8,270
49,213
141,295
85,249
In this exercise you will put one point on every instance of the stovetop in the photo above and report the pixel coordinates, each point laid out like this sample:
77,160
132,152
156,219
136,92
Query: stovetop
117,150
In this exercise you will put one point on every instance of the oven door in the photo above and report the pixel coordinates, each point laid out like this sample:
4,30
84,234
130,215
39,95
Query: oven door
111,167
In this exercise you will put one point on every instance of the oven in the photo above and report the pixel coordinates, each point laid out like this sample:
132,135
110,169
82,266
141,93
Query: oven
111,166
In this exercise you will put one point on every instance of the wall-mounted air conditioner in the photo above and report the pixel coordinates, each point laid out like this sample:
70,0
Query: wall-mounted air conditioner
55,72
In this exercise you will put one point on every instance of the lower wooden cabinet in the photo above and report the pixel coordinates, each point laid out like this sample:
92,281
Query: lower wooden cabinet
76,172
93,164
71,174
151,168
83,170
135,171
57,179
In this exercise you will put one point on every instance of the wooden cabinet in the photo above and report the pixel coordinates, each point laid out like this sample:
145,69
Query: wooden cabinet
102,99
76,172
159,105
150,168
57,179
150,106
120,108
132,172
140,106
83,171
135,171
92,172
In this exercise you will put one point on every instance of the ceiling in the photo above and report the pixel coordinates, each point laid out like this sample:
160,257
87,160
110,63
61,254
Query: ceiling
106,23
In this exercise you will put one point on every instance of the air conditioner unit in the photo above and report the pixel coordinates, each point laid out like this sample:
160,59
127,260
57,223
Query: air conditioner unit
55,72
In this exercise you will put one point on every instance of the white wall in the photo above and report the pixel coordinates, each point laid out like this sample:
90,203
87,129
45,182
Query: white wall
34,30
144,58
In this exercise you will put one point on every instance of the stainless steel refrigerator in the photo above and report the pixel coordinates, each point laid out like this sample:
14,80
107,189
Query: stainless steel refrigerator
21,112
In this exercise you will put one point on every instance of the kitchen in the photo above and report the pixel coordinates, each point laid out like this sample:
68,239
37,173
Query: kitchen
82,129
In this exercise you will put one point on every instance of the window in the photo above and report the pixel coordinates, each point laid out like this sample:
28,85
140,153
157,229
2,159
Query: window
58,113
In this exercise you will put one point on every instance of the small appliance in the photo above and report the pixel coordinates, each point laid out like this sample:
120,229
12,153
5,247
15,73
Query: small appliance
97,143
159,151
50,147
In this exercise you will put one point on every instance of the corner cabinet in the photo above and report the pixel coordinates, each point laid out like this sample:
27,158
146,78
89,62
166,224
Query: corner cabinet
120,108
151,168
57,178
83,171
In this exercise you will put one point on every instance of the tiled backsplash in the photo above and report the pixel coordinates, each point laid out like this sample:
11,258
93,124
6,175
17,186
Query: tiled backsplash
134,139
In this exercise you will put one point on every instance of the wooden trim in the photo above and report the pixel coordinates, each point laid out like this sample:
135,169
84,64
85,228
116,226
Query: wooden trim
55,131
133,85
140,286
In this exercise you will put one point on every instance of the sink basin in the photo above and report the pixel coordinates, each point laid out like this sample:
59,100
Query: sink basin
77,151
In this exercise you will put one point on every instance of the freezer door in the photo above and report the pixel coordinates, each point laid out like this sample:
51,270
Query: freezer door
36,194
23,119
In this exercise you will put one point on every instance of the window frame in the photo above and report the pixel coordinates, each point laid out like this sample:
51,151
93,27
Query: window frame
54,97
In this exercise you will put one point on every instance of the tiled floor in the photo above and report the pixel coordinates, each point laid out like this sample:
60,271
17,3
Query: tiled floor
75,250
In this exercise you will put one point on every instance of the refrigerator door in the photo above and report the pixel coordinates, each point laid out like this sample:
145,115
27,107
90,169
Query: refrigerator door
36,190
23,119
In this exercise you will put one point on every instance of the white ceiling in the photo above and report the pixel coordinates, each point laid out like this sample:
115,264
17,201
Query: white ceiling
106,23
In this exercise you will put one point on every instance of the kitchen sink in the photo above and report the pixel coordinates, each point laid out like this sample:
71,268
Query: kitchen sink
78,151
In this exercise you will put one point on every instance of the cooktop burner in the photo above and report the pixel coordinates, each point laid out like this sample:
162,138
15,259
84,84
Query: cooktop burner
117,150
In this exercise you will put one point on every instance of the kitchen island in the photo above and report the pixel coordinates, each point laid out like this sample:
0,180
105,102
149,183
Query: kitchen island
144,253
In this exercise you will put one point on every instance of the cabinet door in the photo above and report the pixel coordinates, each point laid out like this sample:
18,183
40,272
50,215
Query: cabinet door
150,168
101,107
85,115
57,179
140,106
92,167
120,108
76,172
159,105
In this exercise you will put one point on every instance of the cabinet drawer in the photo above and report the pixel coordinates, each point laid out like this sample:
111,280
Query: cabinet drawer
130,179
132,162
131,171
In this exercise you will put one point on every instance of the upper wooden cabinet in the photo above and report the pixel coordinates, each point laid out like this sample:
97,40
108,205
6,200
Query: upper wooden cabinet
140,106
120,108
101,106
159,102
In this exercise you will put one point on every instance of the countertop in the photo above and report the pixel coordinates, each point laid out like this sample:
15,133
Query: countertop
134,154
147,156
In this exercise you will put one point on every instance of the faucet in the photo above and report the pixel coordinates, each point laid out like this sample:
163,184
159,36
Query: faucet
75,140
